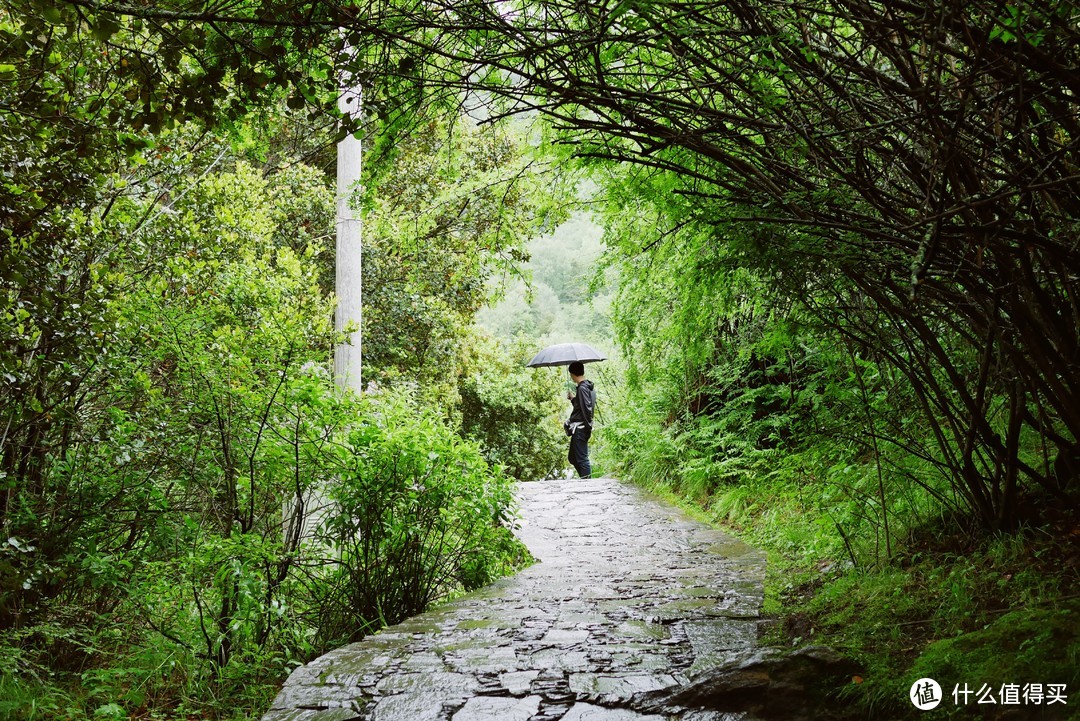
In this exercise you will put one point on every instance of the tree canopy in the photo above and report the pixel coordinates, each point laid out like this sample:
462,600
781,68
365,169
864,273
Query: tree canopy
908,171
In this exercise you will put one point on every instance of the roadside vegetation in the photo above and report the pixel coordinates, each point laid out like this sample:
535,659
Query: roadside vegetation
747,406
189,507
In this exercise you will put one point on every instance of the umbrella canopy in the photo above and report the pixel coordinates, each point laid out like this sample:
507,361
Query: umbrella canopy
564,354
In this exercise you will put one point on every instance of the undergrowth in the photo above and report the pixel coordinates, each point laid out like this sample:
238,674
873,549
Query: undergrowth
995,612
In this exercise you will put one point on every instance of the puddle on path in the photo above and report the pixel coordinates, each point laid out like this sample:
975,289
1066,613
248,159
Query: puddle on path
629,597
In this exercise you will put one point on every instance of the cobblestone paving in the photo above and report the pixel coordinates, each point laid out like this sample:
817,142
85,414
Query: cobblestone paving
630,596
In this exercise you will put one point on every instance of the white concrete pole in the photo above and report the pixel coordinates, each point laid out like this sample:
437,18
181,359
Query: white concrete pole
311,510
348,262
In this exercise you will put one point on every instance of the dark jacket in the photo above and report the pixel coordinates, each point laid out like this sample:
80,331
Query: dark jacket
583,404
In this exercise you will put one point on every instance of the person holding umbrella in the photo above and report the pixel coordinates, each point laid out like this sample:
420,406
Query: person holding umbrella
583,402
579,425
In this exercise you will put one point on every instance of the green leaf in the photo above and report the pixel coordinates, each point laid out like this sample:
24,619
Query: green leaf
105,28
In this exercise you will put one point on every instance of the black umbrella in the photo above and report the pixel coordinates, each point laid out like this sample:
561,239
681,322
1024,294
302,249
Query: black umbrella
564,354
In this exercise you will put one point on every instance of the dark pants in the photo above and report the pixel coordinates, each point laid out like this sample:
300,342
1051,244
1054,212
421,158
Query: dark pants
579,452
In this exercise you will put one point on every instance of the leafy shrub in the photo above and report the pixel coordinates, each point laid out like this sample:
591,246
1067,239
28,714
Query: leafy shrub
156,565
513,413
416,514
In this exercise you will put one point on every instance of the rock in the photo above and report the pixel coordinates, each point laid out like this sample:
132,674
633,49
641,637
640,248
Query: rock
771,683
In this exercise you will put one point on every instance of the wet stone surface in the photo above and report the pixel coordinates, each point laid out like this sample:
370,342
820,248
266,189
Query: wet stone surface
629,598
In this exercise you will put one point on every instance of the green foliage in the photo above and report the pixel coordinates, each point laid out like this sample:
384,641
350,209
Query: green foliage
867,310
200,425
727,381
416,514
748,367
184,441
1023,646
452,206
163,67
1001,612
513,412
563,295
780,142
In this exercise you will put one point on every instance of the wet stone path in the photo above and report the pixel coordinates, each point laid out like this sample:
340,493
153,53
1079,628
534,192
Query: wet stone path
629,597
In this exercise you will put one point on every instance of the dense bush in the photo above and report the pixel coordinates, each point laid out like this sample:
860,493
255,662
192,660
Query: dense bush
513,412
752,398
735,385
415,514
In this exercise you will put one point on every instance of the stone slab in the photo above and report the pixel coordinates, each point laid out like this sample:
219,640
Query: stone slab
630,598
